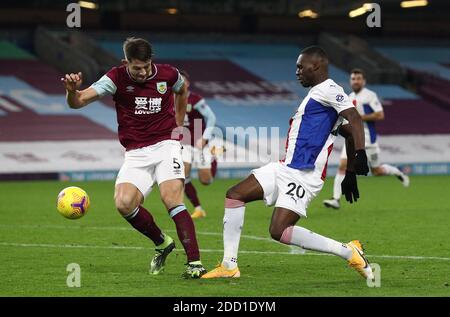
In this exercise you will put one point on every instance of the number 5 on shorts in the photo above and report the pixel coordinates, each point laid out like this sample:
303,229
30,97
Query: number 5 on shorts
176,165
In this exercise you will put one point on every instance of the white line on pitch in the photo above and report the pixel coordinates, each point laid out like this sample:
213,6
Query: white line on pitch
77,246
122,229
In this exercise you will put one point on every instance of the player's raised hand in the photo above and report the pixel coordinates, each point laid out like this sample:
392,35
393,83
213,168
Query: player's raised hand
72,81
349,187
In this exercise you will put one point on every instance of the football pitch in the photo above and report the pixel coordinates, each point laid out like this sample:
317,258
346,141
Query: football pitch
405,232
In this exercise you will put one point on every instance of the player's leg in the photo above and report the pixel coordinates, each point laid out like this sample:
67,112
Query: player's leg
334,202
202,161
172,197
189,188
213,167
205,176
284,230
187,169
387,169
237,196
377,169
191,192
132,185
128,201
169,174
296,189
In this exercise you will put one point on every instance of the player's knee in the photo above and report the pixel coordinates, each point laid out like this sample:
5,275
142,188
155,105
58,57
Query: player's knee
275,234
276,231
205,177
172,195
281,232
206,180
232,193
169,198
125,204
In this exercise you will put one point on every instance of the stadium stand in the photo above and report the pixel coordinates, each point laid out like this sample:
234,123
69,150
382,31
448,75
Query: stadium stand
248,63
428,69
246,85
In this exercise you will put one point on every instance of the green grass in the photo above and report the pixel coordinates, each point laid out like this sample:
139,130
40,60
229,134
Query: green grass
389,219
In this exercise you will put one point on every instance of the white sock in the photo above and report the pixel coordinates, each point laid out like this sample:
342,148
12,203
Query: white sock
309,240
233,221
391,170
337,191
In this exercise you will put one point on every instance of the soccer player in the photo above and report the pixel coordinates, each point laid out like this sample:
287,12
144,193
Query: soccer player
292,183
371,110
143,95
199,121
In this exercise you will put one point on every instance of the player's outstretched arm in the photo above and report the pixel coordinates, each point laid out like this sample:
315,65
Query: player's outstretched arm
349,184
353,117
210,119
77,98
346,131
181,100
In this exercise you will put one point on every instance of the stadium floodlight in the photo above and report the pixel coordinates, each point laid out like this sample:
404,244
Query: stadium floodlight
308,14
88,4
172,10
361,10
413,3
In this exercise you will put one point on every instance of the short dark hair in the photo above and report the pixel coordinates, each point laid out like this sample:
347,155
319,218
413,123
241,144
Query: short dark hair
137,48
184,73
358,71
315,51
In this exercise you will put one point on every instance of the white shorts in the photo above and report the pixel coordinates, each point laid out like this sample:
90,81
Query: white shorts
373,154
155,163
286,187
196,157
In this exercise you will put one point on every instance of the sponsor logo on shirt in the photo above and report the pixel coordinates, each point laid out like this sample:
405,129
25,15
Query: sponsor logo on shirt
144,105
129,89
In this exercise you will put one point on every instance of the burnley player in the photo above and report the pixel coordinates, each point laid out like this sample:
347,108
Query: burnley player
371,110
199,121
292,183
143,95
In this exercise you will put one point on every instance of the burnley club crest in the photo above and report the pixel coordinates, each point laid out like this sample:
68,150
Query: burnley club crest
161,87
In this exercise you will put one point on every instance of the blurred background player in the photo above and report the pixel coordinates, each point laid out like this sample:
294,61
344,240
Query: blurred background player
371,110
200,121
142,92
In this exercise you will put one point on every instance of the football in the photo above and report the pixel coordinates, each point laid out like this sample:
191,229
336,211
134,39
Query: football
73,202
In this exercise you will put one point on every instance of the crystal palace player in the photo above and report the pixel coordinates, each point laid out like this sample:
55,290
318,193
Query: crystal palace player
143,94
199,121
371,110
291,184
